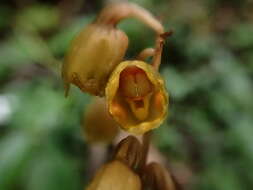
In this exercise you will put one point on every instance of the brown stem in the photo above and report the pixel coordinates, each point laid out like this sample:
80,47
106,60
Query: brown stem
146,138
114,13
159,48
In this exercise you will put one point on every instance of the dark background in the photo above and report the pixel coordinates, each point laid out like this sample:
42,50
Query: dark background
208,68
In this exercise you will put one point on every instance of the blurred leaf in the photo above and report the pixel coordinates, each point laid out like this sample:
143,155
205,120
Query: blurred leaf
23,48
170,141
241,36
61,41
38,17
137,43
220,177
177,85
15,150
51,170
235,79
41,110
5,14
199,48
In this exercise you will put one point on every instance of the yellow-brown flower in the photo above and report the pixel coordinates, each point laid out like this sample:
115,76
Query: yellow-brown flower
136,96
115,175
93,55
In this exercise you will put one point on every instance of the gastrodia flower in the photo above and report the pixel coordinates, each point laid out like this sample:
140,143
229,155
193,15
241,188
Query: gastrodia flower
136,96
92,56
115,175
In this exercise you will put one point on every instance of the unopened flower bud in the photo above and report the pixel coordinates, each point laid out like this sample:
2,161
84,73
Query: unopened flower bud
93,55
136,96
129,151
115,176
156,177
98,126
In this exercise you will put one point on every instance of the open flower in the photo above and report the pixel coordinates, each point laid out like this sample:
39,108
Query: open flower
136,96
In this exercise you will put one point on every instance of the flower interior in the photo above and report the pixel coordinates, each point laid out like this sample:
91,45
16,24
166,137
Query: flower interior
137,89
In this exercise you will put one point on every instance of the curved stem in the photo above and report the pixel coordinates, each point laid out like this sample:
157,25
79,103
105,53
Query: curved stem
145,149
159,48
144,54
114,13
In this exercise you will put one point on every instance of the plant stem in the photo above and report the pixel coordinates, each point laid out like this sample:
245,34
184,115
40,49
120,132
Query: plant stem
145,148
156,62
144,54
114,13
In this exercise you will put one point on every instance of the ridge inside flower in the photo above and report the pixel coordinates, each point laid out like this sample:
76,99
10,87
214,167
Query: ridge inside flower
136,89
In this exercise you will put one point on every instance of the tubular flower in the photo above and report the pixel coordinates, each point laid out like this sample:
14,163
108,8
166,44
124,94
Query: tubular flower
136,96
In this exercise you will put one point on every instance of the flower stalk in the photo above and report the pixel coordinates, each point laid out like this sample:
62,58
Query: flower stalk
114,13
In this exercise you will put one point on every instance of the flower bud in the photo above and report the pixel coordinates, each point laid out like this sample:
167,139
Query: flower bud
129,151
98,126
156,177
115,176
92,56
136,96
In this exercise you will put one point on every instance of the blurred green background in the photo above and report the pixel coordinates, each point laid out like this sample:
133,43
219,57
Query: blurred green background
207,65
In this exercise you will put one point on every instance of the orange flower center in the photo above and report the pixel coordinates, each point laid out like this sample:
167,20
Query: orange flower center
136,88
